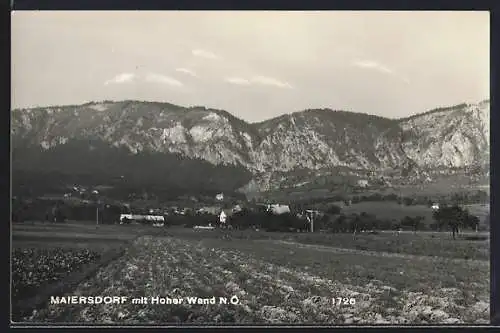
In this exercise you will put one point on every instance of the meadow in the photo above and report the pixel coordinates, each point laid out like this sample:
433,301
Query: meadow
422,278
393,210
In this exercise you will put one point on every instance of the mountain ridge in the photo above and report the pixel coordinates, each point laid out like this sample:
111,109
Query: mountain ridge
313,139
88,103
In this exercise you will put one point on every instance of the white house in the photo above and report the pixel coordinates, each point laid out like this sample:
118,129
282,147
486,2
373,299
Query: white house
237,209
150,218
202,227
363,183
210,209
222,217
278,209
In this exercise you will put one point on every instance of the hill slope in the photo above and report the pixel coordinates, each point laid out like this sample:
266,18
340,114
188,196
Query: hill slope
455,137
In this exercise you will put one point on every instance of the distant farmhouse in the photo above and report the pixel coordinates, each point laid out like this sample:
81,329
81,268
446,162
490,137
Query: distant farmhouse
213,210
237,209
278,209
363,183
154,219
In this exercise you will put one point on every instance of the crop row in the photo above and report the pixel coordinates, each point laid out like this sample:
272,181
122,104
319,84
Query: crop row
34,268
268,292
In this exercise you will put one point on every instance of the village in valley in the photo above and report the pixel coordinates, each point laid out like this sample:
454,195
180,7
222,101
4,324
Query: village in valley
365,198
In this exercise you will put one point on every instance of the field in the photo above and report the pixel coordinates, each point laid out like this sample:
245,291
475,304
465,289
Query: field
277,278
440,186
393,210
51,258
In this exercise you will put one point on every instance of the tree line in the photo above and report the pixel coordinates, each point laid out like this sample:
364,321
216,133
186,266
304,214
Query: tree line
461,198
449,218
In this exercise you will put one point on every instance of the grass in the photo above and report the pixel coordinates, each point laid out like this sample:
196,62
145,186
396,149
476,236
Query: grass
389,210
68,236
358,269
467,246
421,243
440,186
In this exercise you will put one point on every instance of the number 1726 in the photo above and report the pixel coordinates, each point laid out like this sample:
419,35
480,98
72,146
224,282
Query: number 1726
343,301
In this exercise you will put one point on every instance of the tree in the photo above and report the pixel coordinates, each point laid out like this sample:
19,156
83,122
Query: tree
454,217
395,225
243,219
391,197
333,210
408,201
340,224
384,224
418,223
407,222
325,221
415,223
472,222
355,223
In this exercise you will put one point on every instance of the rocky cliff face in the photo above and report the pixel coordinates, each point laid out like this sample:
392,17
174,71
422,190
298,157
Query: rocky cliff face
453,137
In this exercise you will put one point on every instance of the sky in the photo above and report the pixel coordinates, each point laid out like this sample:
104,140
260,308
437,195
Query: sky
255,64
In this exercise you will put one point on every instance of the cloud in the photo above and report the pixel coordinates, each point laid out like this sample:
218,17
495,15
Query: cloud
369,64
121,78
262,80
151,77
269,81
204,54
238,81
186,71
372,65
158,78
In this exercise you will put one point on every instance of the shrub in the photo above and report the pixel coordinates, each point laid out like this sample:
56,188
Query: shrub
408,201
333,210
390,197
268,221
414,223
476,238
